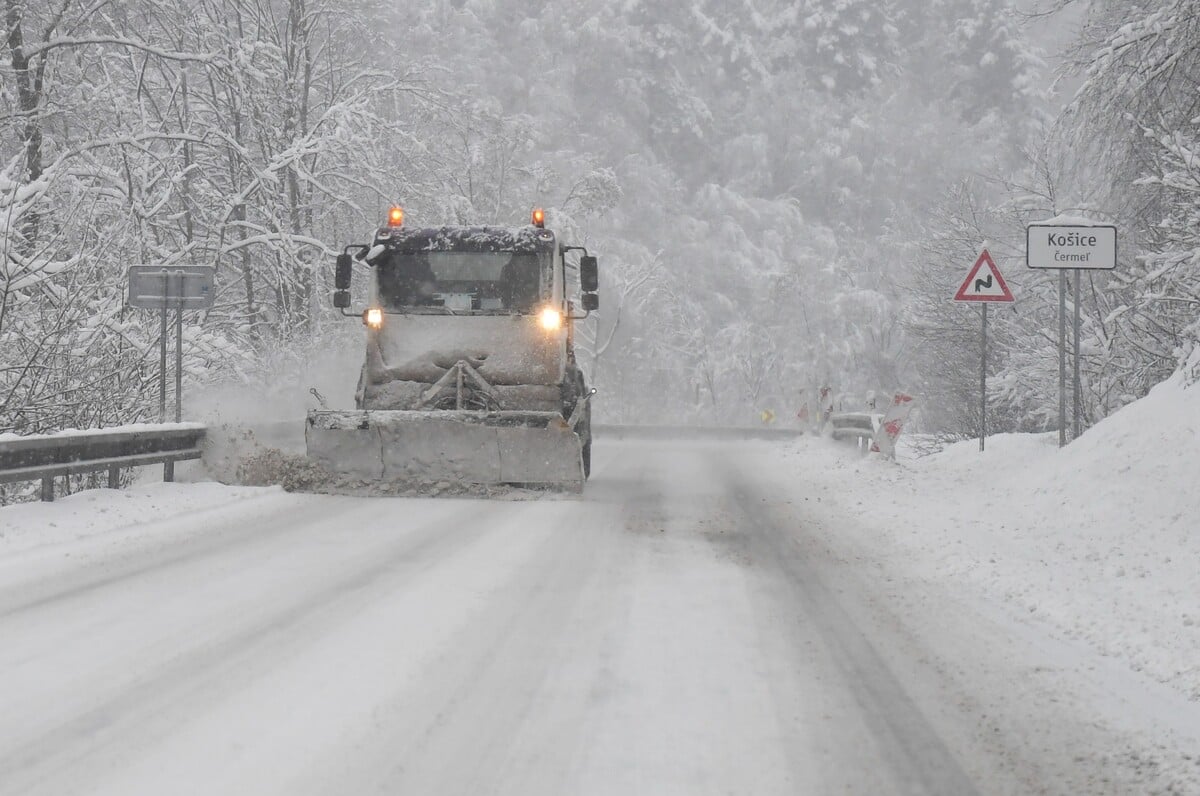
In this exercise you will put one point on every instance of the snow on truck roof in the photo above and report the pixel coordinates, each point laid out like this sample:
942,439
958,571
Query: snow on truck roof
483,239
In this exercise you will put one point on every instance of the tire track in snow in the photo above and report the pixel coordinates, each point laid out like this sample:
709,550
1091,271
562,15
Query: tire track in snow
918,760
88,614
226,532
151,704
502,705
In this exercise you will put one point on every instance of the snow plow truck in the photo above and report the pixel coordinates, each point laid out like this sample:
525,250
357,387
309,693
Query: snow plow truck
470,374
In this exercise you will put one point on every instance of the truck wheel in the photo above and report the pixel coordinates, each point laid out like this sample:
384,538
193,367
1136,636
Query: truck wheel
586,435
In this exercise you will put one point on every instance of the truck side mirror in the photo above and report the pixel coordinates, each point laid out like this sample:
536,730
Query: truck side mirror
591,301
341,299
589,276
341,277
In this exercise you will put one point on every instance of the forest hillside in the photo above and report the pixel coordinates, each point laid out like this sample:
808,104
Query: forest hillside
783,195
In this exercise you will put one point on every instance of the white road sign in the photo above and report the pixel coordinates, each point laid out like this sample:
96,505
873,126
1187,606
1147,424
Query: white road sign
1063,246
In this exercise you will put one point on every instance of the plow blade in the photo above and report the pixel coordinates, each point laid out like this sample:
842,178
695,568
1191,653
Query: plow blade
466,447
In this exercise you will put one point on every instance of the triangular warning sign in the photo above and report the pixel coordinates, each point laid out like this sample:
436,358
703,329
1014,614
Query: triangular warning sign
984,282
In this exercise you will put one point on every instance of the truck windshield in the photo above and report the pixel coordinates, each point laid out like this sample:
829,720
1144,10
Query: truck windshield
503,281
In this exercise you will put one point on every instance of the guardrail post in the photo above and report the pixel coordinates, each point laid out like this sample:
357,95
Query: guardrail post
168,471
48,488
114,477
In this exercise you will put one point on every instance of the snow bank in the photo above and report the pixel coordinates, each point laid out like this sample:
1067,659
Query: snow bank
95,512
1101,539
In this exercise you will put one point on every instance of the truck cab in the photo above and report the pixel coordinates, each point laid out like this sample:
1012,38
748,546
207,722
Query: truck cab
473,319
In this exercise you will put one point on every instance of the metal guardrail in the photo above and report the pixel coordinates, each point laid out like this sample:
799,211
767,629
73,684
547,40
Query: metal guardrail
274,431
43,457
606,431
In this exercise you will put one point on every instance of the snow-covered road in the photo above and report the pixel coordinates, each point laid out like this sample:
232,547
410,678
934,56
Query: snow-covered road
697,622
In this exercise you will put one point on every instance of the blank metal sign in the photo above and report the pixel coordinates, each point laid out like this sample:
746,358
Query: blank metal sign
155,287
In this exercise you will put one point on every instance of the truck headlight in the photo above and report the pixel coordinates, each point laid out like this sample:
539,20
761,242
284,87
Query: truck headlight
373,318
551,319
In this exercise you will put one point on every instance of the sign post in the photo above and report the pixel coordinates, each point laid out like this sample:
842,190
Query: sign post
179,348
1078,245
1062,358
984,284
178,287
162,368
1077,388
